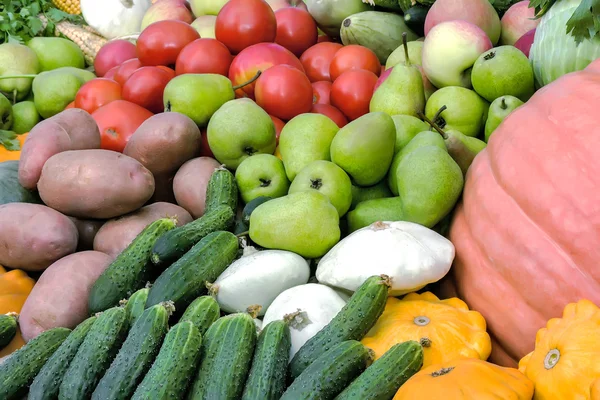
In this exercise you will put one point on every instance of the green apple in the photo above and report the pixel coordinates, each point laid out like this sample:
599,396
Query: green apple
205,25
501,71
499,110
327,178
206,7
25,117
261,175
398,56
6,113
465,111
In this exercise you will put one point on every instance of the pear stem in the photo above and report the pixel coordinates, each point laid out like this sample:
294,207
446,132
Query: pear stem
18,76
254,78
432,123
405,44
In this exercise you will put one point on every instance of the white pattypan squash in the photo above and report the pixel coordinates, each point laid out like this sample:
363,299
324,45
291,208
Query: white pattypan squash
114,18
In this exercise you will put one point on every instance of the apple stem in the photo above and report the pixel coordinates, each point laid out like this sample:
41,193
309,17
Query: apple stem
432,123
18,76
405,44
254,78
503,104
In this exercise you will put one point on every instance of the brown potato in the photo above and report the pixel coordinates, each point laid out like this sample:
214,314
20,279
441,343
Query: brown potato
190,184
164,142
60,296
87,228
163,189
33,236
95,184
72,129
118,233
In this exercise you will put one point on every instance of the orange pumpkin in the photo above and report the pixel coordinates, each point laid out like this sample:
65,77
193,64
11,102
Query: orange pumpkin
527,233
15,286
10,155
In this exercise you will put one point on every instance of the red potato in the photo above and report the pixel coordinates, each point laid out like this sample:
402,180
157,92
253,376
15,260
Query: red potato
95,184
60,297
190,184
72,129
118,233
33,236
87,228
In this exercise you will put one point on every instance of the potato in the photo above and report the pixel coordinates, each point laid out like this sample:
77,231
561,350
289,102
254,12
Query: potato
118,233
163,189
60,296
190,183
95,184
87,228
164,142
33,236
72,129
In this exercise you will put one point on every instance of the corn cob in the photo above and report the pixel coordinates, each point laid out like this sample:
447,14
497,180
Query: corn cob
68,6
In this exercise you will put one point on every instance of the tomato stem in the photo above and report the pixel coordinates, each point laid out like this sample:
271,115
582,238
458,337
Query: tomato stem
254,78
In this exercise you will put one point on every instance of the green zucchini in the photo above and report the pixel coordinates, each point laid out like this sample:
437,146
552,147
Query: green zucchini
129,271
384,377
8,328
251,206
330,373
47,382
352,322
11,190
186,279
136,304
170,374
136,355
415,18
95,355
19,370
267,379
174,244
226,358
221,190
203,312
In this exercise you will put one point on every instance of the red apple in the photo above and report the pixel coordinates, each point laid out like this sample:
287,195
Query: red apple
167,10
277,4
113,53
330,111
524,43
517,21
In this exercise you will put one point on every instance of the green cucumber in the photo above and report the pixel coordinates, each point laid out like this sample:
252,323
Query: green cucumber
136,355
47,382
186,279
130,270
352,322
203,312
8,328
384,377
136,304
174,244
95,355
19,370
330,373
221,190
170,374
267,379
226,358
415,18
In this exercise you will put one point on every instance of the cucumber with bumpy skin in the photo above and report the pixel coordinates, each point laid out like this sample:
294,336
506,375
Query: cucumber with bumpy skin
203,312
8,328
136,304
221,190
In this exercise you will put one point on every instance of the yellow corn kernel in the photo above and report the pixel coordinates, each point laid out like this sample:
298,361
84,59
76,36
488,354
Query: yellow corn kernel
68,6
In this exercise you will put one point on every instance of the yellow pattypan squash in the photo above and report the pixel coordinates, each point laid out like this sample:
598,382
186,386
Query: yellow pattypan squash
468,379
446,329
15,286
565,363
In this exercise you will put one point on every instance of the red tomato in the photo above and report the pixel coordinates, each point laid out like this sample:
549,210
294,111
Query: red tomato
316,60
171,71
70,105
204,56
284,92
330,111
279,124
205,150
161,42
242,23
324,38
351,93
260,56
354,57
126,69
110,74
321,90
113,53
96,93
296,29
118,120
145,87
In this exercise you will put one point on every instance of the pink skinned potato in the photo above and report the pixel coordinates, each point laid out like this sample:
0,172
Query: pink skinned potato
87,228
72,129
116,234
60,297
33,236
190,184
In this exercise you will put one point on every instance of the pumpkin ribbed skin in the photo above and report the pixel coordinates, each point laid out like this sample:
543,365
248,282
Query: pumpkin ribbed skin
527,233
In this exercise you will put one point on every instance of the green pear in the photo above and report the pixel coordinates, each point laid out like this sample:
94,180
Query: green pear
367,212
305,223
54,90
398,56
425,138
407,128
6,113
429,184
304,139
364,148
378,191
499,110
238,130
402,92
206,7
56,52
261,175
465,110
25,117
327,178
17,59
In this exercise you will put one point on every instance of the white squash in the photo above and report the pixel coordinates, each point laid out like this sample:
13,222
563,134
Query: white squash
257,278
308,308
114,18
410,254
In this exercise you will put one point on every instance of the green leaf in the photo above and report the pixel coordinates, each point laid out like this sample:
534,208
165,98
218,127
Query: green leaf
35,25
585,21
9,140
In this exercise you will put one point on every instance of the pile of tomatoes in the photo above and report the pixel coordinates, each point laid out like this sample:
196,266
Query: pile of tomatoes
300,70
